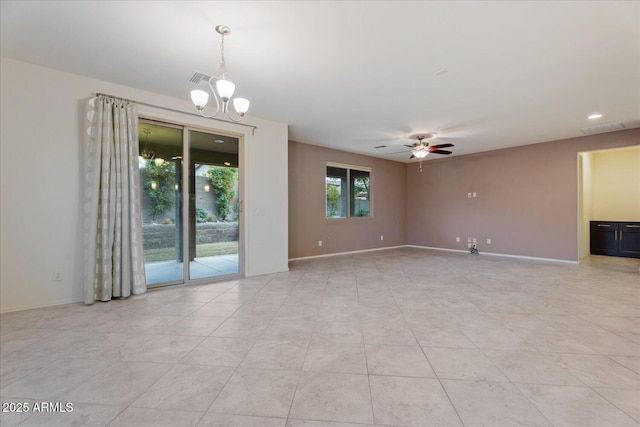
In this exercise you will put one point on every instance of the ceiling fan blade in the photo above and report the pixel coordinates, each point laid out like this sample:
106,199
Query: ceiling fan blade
412,156
442,146
440,152
410,146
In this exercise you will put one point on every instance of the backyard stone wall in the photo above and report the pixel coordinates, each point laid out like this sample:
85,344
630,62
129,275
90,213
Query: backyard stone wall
164,235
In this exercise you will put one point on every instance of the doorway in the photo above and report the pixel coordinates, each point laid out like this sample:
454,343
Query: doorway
202,224
607,189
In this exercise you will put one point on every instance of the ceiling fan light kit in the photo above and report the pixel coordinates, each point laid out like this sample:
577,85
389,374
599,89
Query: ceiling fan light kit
421,149
223,90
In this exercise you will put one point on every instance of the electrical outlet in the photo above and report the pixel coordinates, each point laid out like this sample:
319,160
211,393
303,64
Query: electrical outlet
468,195
488,241
57,276
319,242
381,237
458,239
475,240
474,194
469,245
468,239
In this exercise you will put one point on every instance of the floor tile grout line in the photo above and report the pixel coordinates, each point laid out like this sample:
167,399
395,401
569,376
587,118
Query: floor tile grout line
366,358
595,390
235,369
300,374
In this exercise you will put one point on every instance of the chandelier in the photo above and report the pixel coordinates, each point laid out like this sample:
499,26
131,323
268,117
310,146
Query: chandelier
223,90
146,154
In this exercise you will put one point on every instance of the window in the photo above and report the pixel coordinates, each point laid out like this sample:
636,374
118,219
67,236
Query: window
348,190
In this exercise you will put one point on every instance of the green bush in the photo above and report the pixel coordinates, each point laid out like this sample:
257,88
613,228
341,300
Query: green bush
333,195
223,180
201,215
163,195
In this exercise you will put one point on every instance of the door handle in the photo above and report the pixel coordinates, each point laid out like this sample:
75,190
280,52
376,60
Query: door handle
604,225
620,234
632,226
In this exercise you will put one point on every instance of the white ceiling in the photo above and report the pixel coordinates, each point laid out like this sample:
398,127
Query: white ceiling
354,75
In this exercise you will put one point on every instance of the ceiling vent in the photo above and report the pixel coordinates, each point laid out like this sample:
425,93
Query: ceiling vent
199,77
610,127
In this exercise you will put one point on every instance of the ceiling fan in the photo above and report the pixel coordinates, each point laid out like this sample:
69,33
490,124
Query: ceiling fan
421,148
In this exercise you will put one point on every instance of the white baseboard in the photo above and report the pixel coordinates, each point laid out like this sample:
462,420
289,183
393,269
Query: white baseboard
438,249
44,305
347,253
530,258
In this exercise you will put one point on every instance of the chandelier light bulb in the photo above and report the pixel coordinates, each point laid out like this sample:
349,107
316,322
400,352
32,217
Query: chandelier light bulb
241,105
225,89
199,98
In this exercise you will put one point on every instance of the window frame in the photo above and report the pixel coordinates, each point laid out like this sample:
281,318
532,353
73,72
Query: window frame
349,197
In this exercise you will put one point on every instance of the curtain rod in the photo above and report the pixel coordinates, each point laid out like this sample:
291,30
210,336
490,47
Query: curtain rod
253,128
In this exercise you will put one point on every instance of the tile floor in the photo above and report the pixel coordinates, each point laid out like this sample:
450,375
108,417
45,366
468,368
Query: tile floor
403,337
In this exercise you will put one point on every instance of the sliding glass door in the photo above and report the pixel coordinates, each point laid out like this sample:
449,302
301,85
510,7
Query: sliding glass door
213,204
200,225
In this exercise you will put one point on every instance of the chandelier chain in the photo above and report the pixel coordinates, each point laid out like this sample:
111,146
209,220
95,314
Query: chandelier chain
223,65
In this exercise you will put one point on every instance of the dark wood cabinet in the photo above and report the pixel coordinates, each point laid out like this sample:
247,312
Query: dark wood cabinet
615,238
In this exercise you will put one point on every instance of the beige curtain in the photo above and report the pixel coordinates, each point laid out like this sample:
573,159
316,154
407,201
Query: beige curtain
113,257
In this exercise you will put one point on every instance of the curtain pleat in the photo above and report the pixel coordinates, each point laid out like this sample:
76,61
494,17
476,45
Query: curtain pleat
114,260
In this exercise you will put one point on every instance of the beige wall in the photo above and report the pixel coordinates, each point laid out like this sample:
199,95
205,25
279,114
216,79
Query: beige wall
41,181
527,198
307,216
616,185
585,179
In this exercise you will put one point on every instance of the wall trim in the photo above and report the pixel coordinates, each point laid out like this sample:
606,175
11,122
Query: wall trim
530,258
347,253
438,249
35,306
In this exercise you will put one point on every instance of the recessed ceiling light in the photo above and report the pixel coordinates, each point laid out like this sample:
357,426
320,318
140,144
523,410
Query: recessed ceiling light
218,141
594,116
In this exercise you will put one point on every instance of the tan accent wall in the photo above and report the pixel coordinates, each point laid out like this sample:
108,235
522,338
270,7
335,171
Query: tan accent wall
307,216
616,185
527,198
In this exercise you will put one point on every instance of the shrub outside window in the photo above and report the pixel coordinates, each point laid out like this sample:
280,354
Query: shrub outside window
348,191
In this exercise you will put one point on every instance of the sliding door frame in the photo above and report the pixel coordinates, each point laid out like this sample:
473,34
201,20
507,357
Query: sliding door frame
186,128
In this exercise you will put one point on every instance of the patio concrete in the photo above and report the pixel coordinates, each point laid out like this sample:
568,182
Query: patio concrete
170,271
